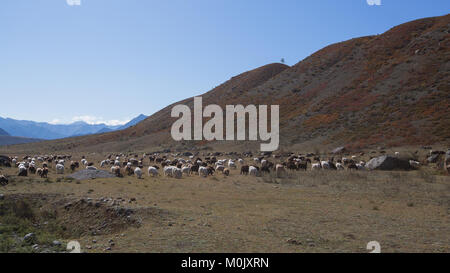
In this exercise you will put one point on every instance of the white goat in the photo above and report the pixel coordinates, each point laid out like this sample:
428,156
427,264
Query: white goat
138,172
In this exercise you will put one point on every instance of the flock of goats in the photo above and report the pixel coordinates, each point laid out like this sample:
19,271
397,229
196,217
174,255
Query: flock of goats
121,164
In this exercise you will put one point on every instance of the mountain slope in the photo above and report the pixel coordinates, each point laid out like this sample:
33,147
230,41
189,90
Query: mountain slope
12,140
3,132
133,122
390,89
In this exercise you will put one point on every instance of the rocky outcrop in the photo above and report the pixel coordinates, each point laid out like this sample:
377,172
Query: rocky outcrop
388,163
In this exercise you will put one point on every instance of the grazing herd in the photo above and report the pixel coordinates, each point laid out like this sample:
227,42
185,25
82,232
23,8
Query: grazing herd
175,166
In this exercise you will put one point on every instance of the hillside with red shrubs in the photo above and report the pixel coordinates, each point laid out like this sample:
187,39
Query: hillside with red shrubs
385,90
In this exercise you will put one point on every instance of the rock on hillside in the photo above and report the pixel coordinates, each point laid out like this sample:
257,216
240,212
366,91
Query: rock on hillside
388,163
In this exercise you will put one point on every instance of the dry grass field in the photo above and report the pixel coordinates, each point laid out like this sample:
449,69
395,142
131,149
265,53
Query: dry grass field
313,211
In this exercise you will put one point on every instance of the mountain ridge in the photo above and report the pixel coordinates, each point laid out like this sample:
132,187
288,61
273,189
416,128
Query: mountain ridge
47,131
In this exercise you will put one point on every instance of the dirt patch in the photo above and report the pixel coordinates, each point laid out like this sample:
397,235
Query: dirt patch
90,174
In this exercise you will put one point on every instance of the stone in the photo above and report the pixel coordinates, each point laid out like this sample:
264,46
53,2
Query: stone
29,238
338,150
388,163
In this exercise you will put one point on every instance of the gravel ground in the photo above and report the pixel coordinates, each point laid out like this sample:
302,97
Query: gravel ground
90,174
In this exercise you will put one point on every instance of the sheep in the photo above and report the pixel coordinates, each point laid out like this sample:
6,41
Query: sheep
23,171
210,170
3,180
44,173
84,162
226,172
203,171
231,164
32,169
73,166
280,170
253,170
256,160
218,163
241,161
186,170
316,166
360,167
339,166
177,173
220,168
152,171
134,162
138,172
245,169
414,164
168,171
129,171
265,169
116,171
221,162
59,169
325,165
263,162
303,165
103,163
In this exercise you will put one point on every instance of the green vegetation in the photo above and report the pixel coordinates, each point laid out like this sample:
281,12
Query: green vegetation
18,218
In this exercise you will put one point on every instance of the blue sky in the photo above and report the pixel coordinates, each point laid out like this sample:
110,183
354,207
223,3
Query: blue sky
110,60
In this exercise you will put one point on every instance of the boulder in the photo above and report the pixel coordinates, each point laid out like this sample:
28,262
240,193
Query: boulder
388,163
30,238
338,150
91,174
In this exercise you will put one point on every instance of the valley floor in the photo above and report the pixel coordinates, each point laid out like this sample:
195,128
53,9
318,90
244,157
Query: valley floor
305,212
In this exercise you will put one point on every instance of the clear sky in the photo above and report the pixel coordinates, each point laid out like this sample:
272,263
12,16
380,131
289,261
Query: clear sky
110,60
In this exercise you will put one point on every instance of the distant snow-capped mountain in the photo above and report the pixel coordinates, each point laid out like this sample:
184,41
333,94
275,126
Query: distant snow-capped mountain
47,131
